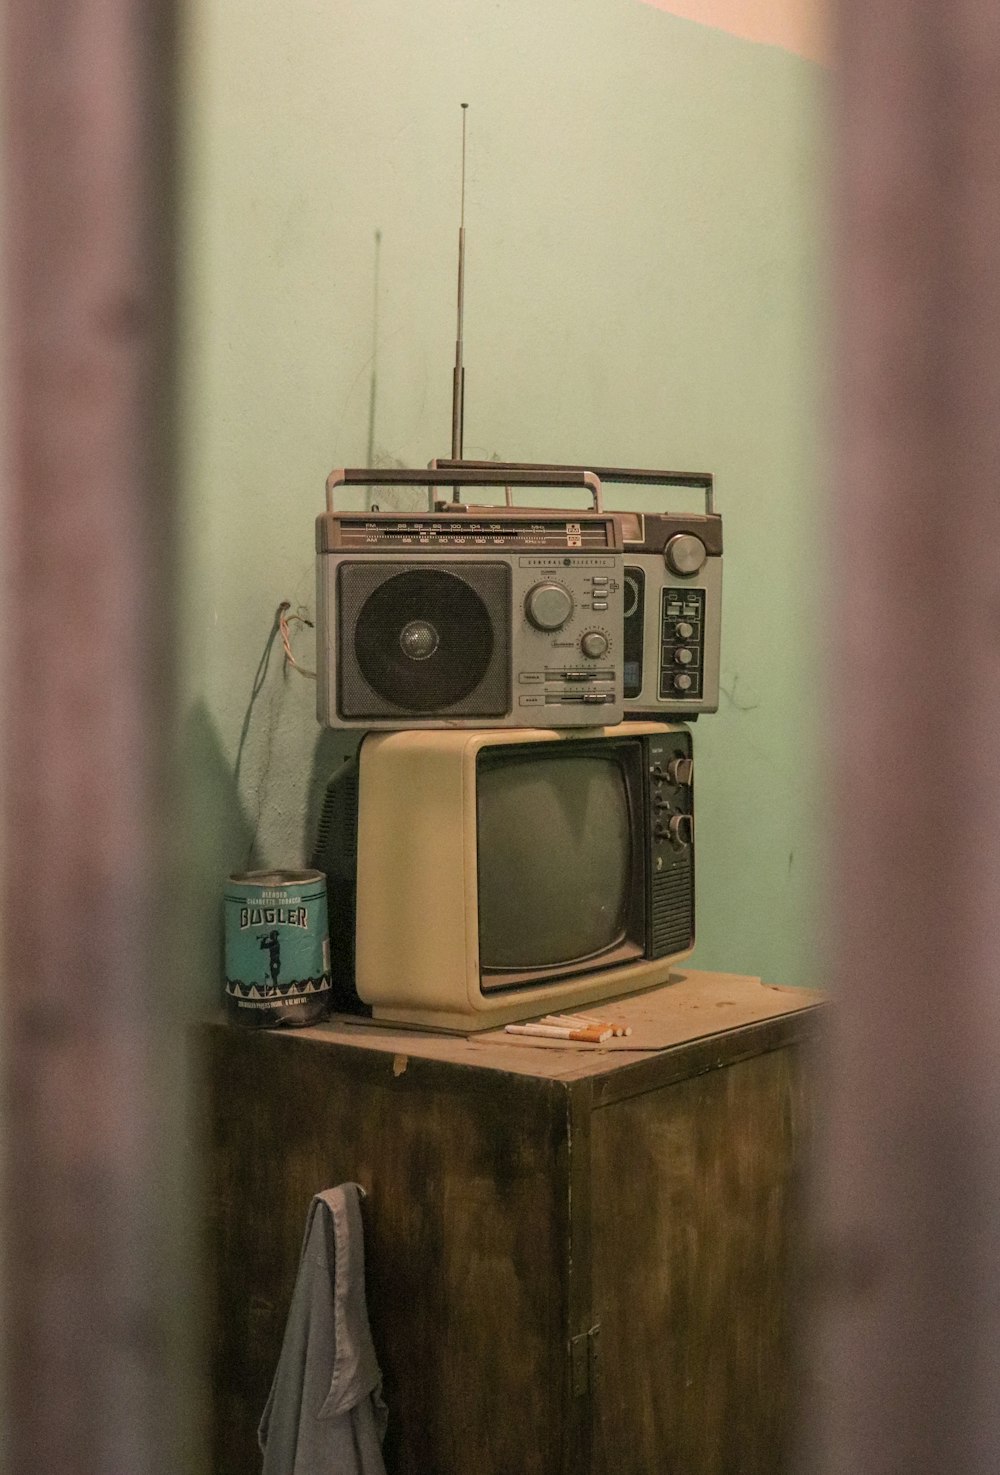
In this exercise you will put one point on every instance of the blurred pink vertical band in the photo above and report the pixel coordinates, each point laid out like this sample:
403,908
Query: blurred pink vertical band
90,1218
906,1342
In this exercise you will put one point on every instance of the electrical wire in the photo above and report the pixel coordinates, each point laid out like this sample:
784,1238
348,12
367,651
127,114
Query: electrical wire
286,638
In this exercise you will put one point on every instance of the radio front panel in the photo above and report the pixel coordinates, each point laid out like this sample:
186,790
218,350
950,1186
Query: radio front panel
672,637
430,622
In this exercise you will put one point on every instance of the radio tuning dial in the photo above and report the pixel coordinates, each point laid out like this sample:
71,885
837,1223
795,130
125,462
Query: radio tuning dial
594,643
548,606
684,554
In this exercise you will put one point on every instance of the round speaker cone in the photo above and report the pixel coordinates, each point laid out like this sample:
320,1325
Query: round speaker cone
423,640
418,640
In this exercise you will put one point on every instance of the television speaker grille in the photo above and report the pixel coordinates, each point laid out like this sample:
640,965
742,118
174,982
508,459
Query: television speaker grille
672,908
421,642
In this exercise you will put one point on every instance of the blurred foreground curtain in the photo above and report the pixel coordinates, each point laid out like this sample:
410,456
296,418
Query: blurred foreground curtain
906,1339
97,1301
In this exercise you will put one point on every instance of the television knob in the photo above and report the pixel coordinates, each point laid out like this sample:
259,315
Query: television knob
684,554
548,606
681,829
594,643
680,770
684,630
683,681
683,656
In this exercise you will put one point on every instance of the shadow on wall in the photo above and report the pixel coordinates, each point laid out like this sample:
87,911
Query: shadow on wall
220,836
332,750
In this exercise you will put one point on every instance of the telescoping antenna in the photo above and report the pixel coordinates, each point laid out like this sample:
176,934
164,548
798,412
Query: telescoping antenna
458,381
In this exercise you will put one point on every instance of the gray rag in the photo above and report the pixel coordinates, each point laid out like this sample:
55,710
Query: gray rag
324,1414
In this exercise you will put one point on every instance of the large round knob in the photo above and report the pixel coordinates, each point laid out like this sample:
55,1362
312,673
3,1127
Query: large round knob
684,629
683,681
594,643
548,606
684,554
683,655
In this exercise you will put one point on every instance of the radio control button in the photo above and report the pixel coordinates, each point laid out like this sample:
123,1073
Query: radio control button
594,644
684,630
599,604
683,655
548,606
683,681
684,554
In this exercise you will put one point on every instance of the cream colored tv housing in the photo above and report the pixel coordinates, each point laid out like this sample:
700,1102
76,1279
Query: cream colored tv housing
417,952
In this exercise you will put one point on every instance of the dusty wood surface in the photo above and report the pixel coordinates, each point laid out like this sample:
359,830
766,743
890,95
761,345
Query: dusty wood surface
694,1005
697,1230
466,1230
509,1209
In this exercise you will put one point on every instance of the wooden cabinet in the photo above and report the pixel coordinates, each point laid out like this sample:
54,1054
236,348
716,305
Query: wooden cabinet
578,1259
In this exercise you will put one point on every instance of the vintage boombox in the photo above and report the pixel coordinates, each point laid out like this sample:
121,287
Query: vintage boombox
443,619
673,589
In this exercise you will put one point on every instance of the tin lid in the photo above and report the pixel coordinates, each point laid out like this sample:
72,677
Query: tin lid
276,878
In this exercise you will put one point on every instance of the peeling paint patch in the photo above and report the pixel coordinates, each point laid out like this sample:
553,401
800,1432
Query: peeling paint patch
399,1064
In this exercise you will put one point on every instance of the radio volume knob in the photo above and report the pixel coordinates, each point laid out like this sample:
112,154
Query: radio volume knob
684,554
683,655
593,643
548,606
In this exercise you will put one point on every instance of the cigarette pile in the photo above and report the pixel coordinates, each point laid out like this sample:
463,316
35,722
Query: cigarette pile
572,1027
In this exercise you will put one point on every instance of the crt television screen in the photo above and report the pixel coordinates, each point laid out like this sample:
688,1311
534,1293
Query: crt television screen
555,857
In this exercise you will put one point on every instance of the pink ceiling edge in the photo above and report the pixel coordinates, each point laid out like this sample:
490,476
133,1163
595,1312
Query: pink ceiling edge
797,26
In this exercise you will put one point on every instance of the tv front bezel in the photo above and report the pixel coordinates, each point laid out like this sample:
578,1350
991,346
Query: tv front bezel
629,946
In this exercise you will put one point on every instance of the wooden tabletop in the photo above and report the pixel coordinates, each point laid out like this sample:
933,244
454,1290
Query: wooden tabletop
694,1006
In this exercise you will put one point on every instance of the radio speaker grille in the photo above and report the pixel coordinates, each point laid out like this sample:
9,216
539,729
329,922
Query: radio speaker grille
419,642
672,908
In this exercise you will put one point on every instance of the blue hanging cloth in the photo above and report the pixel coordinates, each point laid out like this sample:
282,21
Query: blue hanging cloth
324,1414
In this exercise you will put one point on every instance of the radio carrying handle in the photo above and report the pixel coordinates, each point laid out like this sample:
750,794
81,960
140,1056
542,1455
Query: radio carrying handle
488,474
702,481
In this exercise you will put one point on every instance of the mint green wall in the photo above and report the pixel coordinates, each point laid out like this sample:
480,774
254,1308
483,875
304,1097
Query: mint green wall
640,289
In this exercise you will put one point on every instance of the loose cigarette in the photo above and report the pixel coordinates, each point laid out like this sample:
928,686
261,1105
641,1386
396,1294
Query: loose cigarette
592,1034
588,1020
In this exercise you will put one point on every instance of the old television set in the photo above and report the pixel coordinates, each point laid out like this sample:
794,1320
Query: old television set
477,878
